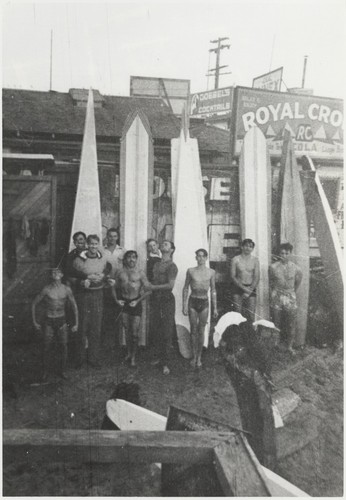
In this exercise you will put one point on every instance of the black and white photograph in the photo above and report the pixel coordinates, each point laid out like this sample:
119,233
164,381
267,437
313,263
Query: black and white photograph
172,248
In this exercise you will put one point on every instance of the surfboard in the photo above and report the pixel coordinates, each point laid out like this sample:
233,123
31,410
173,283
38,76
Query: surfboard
326,234
190,224
128,416
294,229
87,211
255,208
136,188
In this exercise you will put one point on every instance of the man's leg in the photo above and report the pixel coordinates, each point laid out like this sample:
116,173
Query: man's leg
48,334
203,319
168,326
63,339
134,327
193,317
250,309
125,323
291,328
237,302
96,314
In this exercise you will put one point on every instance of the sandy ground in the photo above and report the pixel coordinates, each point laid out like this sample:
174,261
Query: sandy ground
311,443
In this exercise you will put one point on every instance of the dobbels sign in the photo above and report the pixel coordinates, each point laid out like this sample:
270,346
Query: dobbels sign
315,123
213,102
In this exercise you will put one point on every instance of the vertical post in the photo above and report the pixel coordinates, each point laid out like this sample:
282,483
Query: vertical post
304,71
51,59
217,66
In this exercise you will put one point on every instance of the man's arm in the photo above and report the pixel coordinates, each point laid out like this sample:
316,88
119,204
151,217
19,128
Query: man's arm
298,279
186,292
256,275
73,302
271,276
120,303
36,301
144,286
213,293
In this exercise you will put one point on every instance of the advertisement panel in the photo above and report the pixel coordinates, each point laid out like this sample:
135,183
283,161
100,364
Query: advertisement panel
269,81
315,123
212,103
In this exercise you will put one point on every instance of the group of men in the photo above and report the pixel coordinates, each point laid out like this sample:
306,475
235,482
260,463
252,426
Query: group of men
105,280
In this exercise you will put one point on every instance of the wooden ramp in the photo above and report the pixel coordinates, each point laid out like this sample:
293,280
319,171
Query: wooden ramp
326,234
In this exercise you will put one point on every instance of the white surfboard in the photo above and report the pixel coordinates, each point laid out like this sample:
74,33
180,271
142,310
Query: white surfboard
190,222
294,229
130,417
87,212
255,208
136,188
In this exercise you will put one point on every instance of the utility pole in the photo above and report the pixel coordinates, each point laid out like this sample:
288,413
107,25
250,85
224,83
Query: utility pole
304,71
217,50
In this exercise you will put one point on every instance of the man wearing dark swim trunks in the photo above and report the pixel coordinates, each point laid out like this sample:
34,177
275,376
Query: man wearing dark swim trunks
131,283
56,295
245,275
200,279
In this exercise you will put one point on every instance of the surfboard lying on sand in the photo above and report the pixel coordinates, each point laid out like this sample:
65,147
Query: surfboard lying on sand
190,224
326,234
87,211
136,187
294,229
255,208
128,416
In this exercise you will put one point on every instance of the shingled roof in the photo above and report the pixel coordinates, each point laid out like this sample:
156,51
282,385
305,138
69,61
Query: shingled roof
55,112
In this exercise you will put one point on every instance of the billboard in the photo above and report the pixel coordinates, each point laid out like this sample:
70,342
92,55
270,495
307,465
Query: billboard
216,102
269,81
315,123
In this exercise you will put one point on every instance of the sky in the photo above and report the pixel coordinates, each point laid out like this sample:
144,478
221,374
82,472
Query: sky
100,45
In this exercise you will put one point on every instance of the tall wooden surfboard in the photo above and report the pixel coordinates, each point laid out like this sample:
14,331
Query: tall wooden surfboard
190,222
87,212
255,208
294,229
136,188
326,234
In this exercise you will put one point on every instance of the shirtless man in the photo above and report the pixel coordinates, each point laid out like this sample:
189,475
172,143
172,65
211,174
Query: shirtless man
285,278
131,282
199,279
56,296
245,275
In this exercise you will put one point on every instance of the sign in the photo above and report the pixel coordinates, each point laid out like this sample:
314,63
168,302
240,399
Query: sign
211,103
315,123
269,81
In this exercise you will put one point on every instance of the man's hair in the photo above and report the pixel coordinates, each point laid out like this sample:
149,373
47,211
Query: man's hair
93,237
248,241
286,246
203,251
78,233
113,230
130,252
150,240
172,245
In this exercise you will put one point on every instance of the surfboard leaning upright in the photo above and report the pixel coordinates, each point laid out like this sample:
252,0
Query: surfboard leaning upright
190,223
87,211
255,208
136,187
294,229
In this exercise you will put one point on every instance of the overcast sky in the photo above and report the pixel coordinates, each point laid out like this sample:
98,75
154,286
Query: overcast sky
101,45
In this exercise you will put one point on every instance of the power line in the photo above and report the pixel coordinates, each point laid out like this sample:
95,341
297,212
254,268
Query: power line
217,50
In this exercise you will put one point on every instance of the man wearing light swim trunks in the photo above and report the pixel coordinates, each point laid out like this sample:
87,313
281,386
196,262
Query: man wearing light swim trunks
284,279
245,275
200,279
131,282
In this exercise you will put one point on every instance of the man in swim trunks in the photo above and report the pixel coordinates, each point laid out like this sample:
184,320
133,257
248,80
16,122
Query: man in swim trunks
200,279
131,283
245,275
56,296
285,278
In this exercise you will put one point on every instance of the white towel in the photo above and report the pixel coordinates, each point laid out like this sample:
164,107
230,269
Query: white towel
230,318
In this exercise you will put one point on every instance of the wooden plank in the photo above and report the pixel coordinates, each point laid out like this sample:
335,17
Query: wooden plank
239,472
108,446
